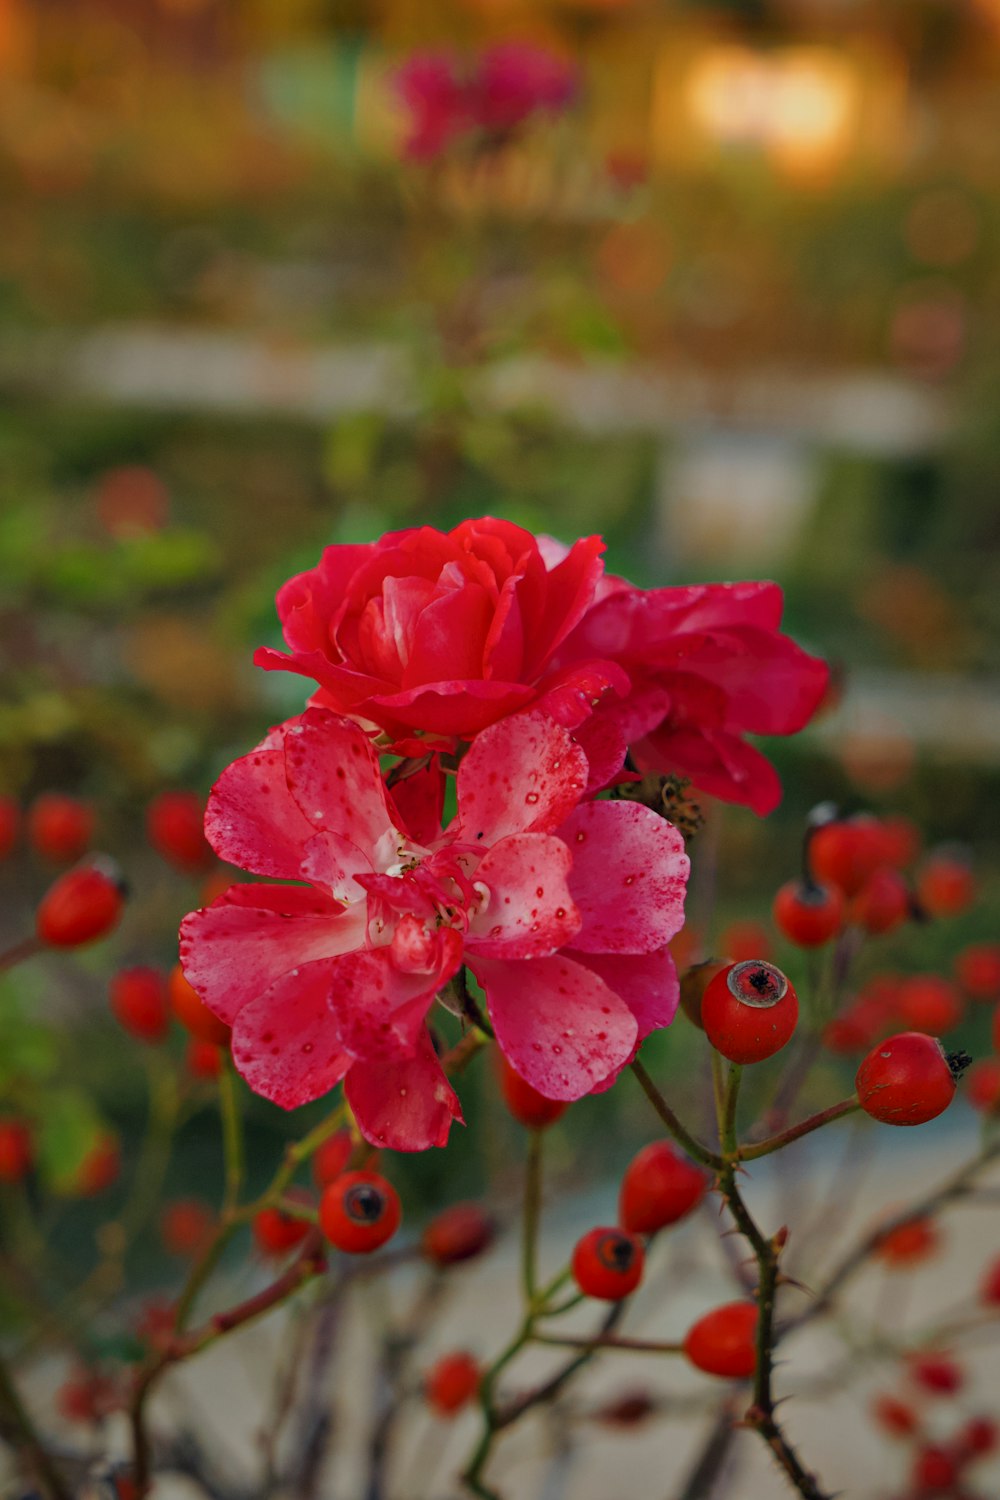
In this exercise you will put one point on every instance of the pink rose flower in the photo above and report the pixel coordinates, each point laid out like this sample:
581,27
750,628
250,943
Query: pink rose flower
707,666
435,94
562,909
516,80
428,633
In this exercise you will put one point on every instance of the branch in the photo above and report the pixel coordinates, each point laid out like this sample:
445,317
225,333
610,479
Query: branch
679,1132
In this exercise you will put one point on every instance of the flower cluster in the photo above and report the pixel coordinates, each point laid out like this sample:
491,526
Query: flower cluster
522,671
448,97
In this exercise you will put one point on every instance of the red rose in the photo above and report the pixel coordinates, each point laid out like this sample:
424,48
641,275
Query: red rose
439,634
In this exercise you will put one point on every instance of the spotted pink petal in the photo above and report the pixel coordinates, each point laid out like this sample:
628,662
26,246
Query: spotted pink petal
252,821
407,1105
521,776
530,911
236,948
333,774
628,878
647,982
378,1009
285,1042
331,863
558,1023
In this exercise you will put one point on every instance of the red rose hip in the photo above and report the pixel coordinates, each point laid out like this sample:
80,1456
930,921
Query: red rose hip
60,827
175,828
808,912
749,1011
459,1233
660,1187
723,1342
525,1103
607,1264
81,906
139,1003
192,1012
452,1383
276,1232
359,1212
906,1080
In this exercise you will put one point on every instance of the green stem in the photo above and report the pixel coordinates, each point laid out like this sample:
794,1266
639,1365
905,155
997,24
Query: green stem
795,1132
630,1346
232,1136
27,948
679,1132
730,1147
532,1211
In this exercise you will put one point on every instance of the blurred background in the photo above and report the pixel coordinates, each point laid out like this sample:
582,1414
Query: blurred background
720,281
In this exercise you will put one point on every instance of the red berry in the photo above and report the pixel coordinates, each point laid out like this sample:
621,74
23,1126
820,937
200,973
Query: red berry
927,1002
909,1244
100,1168
659,1188
900,838
10,822
525,1103
749,1011
946,884
808,915
982,1085
626,1410
936,1373
192,1012
277,1232
204,1059
742,940
882,903
458,1233
60,828
723,1342
81,906
359,1212
87,1397
894,1416
989,1287
17,1152
845,852
186,1226
905,1080
977,969
856,1029
607,1264
979,1436
332,1158
139,1003
175,826
452,1383
934,1470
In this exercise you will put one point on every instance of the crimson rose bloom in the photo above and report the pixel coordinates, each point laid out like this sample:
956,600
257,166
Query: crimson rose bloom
561,907
707,665
440,634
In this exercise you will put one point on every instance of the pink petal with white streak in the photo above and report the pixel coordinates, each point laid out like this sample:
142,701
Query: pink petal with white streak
378,1009
235,949
558,1023
628,878
523,775
530,910
333,774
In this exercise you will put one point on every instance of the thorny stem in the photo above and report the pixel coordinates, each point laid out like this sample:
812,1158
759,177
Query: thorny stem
602,1341
679,1132
17,1426
796,1132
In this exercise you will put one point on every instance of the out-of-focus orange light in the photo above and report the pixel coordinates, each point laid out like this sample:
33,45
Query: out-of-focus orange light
799,105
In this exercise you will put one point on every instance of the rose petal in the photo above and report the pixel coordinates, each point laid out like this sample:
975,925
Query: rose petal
406,1105
285,1041
377,1008
557,1022
530,911
522,776
647,982
719,763
234,950
333,774
628,878
252,820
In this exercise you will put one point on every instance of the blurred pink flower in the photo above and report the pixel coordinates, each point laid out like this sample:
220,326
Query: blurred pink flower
562,910
516,80
435,93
